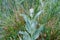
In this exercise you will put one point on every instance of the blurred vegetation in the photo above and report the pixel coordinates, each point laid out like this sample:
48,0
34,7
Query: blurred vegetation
11,22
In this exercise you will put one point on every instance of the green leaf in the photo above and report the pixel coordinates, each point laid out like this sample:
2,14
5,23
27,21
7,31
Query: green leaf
26,36
38,32
28,22
38,14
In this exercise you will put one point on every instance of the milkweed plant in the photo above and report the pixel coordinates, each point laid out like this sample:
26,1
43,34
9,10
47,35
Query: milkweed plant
32,32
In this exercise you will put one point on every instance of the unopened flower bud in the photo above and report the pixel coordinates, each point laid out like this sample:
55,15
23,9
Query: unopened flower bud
31,12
